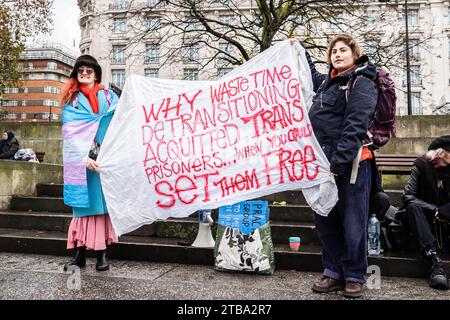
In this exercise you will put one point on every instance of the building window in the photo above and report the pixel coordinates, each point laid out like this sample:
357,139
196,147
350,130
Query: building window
416,106
224,48
118,54
192,53
414,49
154,23
190,74
151,53
11,90
416,103
226,20
370,48
10,103
449,48
23,116
373,17
120,25
151,73
413,17
51,76
25,90
118,78
121,4
85,30
192,25
414,73
223,71
24,103
52,65
51,103
337,21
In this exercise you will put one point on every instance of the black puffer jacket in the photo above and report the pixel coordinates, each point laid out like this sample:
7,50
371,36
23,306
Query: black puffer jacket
340,125
9,148
422,188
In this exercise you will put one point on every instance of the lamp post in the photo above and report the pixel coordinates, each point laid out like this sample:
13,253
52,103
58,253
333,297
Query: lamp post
408,75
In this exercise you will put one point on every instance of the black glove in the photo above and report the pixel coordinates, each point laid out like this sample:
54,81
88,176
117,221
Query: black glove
444,211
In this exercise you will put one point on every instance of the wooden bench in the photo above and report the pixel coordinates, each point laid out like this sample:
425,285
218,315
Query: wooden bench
40,156
400,164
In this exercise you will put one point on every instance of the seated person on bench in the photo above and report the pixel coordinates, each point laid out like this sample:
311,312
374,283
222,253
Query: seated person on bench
8,145
426,197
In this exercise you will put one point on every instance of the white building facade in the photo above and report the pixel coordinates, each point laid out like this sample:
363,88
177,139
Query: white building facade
109,31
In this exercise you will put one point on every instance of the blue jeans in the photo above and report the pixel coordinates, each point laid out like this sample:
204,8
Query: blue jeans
344,232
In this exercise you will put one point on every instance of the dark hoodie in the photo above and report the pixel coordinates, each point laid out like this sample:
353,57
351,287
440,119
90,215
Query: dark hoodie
9,147
340,125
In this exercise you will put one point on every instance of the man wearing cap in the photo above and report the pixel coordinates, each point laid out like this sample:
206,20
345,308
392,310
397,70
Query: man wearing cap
427,197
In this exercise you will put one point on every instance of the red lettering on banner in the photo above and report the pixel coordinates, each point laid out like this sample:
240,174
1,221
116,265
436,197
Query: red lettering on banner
206,188
188,144
170,199
276,118
230,185
191,187
296,164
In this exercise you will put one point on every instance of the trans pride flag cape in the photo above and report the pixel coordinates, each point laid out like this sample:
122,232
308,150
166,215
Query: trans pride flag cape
79,129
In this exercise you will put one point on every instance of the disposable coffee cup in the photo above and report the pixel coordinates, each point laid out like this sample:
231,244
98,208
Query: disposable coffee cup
294,243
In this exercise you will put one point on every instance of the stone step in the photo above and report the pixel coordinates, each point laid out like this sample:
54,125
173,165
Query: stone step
186,228
49,190
296,213
49,204
291,197
168,250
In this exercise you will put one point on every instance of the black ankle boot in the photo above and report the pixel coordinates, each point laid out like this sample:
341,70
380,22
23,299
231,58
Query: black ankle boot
79,258
102,262
438,275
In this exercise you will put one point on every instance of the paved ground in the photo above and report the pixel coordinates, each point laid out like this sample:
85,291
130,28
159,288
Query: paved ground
24,276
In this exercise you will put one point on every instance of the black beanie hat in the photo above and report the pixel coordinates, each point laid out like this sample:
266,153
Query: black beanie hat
89,61
441,142
10,135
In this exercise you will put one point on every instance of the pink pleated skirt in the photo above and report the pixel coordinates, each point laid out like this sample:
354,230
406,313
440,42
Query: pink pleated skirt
92,232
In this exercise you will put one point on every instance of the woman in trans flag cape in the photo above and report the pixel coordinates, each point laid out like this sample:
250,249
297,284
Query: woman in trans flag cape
87,112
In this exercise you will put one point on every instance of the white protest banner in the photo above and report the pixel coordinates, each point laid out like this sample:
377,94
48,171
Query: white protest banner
174,147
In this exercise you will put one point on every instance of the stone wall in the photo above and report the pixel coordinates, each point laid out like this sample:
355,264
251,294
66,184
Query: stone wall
40,137
21,178
414,134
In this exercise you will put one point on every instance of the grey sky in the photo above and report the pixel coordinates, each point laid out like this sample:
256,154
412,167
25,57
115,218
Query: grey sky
66,30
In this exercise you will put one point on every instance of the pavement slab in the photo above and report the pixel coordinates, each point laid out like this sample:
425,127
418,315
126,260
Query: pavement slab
37,277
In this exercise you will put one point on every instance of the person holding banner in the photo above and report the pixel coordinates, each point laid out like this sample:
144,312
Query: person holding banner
87,112
340,119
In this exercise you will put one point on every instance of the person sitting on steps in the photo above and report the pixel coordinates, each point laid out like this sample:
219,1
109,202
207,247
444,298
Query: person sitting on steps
426,197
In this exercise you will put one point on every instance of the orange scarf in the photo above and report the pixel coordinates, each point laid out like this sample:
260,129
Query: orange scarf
91,95
334,72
